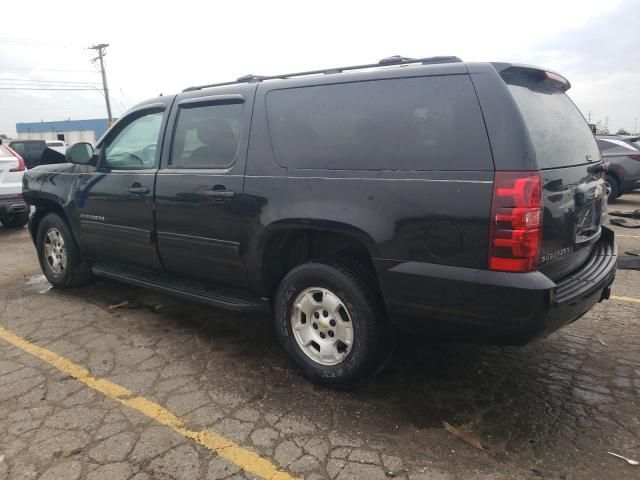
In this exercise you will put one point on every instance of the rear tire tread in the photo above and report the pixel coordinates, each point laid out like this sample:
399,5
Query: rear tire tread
375,347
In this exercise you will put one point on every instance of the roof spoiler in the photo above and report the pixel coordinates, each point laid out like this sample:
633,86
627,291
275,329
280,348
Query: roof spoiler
539,75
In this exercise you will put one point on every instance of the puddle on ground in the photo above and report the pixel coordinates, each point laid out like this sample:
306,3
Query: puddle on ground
37,283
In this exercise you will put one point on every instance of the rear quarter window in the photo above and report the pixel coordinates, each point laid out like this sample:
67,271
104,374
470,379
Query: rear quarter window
423,123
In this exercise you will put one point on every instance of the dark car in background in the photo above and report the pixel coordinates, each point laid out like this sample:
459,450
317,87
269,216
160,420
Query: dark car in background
623,155
415,193
30,150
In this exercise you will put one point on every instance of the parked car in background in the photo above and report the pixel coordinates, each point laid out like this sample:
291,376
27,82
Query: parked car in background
623,155
414,193
13,209
55,143
30,150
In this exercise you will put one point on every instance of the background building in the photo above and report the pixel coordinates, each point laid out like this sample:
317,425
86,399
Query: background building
69,131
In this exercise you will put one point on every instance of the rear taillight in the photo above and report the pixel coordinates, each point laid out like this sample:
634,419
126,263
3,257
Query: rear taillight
20,167
635,157
515,233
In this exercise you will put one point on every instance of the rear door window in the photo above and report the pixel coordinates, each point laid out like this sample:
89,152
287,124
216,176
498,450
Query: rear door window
207,136
421,123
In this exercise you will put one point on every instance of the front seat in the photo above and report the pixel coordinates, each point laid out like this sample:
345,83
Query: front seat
219,143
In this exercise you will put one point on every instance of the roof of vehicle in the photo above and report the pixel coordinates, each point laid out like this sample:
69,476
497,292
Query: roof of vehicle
435,65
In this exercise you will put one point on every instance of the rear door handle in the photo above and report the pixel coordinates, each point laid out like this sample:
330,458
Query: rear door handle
137,190
219,194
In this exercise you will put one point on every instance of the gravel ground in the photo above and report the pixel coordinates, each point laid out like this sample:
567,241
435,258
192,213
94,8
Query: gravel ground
552,409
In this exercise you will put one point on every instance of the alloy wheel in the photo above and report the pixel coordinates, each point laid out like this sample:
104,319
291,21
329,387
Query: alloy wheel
55,251
322,326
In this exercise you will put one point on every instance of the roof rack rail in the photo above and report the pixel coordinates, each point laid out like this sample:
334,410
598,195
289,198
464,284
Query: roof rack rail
393,60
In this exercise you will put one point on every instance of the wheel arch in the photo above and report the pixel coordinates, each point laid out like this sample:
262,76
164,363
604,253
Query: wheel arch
43,207
287,244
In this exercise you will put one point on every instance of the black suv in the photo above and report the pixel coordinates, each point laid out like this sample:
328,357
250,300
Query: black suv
463,197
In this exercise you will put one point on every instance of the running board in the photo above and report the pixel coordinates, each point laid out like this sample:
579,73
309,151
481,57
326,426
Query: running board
211,295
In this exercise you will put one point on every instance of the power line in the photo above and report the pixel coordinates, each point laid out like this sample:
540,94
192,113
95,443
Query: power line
49,69
35,80
58,89
36,84
26,42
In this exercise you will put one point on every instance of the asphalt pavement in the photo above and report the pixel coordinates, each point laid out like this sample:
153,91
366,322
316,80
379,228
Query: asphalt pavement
115,382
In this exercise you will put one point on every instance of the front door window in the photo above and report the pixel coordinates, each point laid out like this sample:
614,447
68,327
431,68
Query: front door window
134,147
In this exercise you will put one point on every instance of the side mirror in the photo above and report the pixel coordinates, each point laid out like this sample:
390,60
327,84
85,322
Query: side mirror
80,153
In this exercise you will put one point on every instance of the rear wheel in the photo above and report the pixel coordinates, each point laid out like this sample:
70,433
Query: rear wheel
17,220
330,319
612,188
59,256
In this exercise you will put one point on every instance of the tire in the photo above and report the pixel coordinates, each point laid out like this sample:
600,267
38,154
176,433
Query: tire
63,266
319,287
17,220
612,188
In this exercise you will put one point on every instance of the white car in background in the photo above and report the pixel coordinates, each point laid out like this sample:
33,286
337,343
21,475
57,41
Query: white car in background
14,212
55,143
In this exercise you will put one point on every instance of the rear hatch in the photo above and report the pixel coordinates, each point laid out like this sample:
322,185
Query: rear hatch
570,166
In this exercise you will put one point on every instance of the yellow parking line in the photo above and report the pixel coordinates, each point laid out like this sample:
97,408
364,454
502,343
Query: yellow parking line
249,461
625,299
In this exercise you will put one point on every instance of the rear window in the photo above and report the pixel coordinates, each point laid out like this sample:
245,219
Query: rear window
29,148
424,123
558,131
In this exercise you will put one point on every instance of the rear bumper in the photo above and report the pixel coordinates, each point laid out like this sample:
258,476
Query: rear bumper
10,205
494,307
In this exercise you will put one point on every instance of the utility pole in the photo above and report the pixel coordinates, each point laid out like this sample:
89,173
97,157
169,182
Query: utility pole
589,119
100,48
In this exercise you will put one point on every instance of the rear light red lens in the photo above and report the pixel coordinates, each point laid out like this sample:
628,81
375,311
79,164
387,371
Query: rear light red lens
635,157
20,167
515,233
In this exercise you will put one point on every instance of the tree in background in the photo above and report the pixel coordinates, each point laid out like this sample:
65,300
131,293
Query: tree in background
2,135
622,131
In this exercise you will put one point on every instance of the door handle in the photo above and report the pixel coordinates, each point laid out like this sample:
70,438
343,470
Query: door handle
219,193
137,190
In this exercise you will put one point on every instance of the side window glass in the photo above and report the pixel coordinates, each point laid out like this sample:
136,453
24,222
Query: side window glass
421,123
135,146
207,136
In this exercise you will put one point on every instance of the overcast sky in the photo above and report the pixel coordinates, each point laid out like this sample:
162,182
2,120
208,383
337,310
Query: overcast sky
166,46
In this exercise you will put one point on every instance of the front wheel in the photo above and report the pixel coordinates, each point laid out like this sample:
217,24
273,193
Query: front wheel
329,317
59,256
